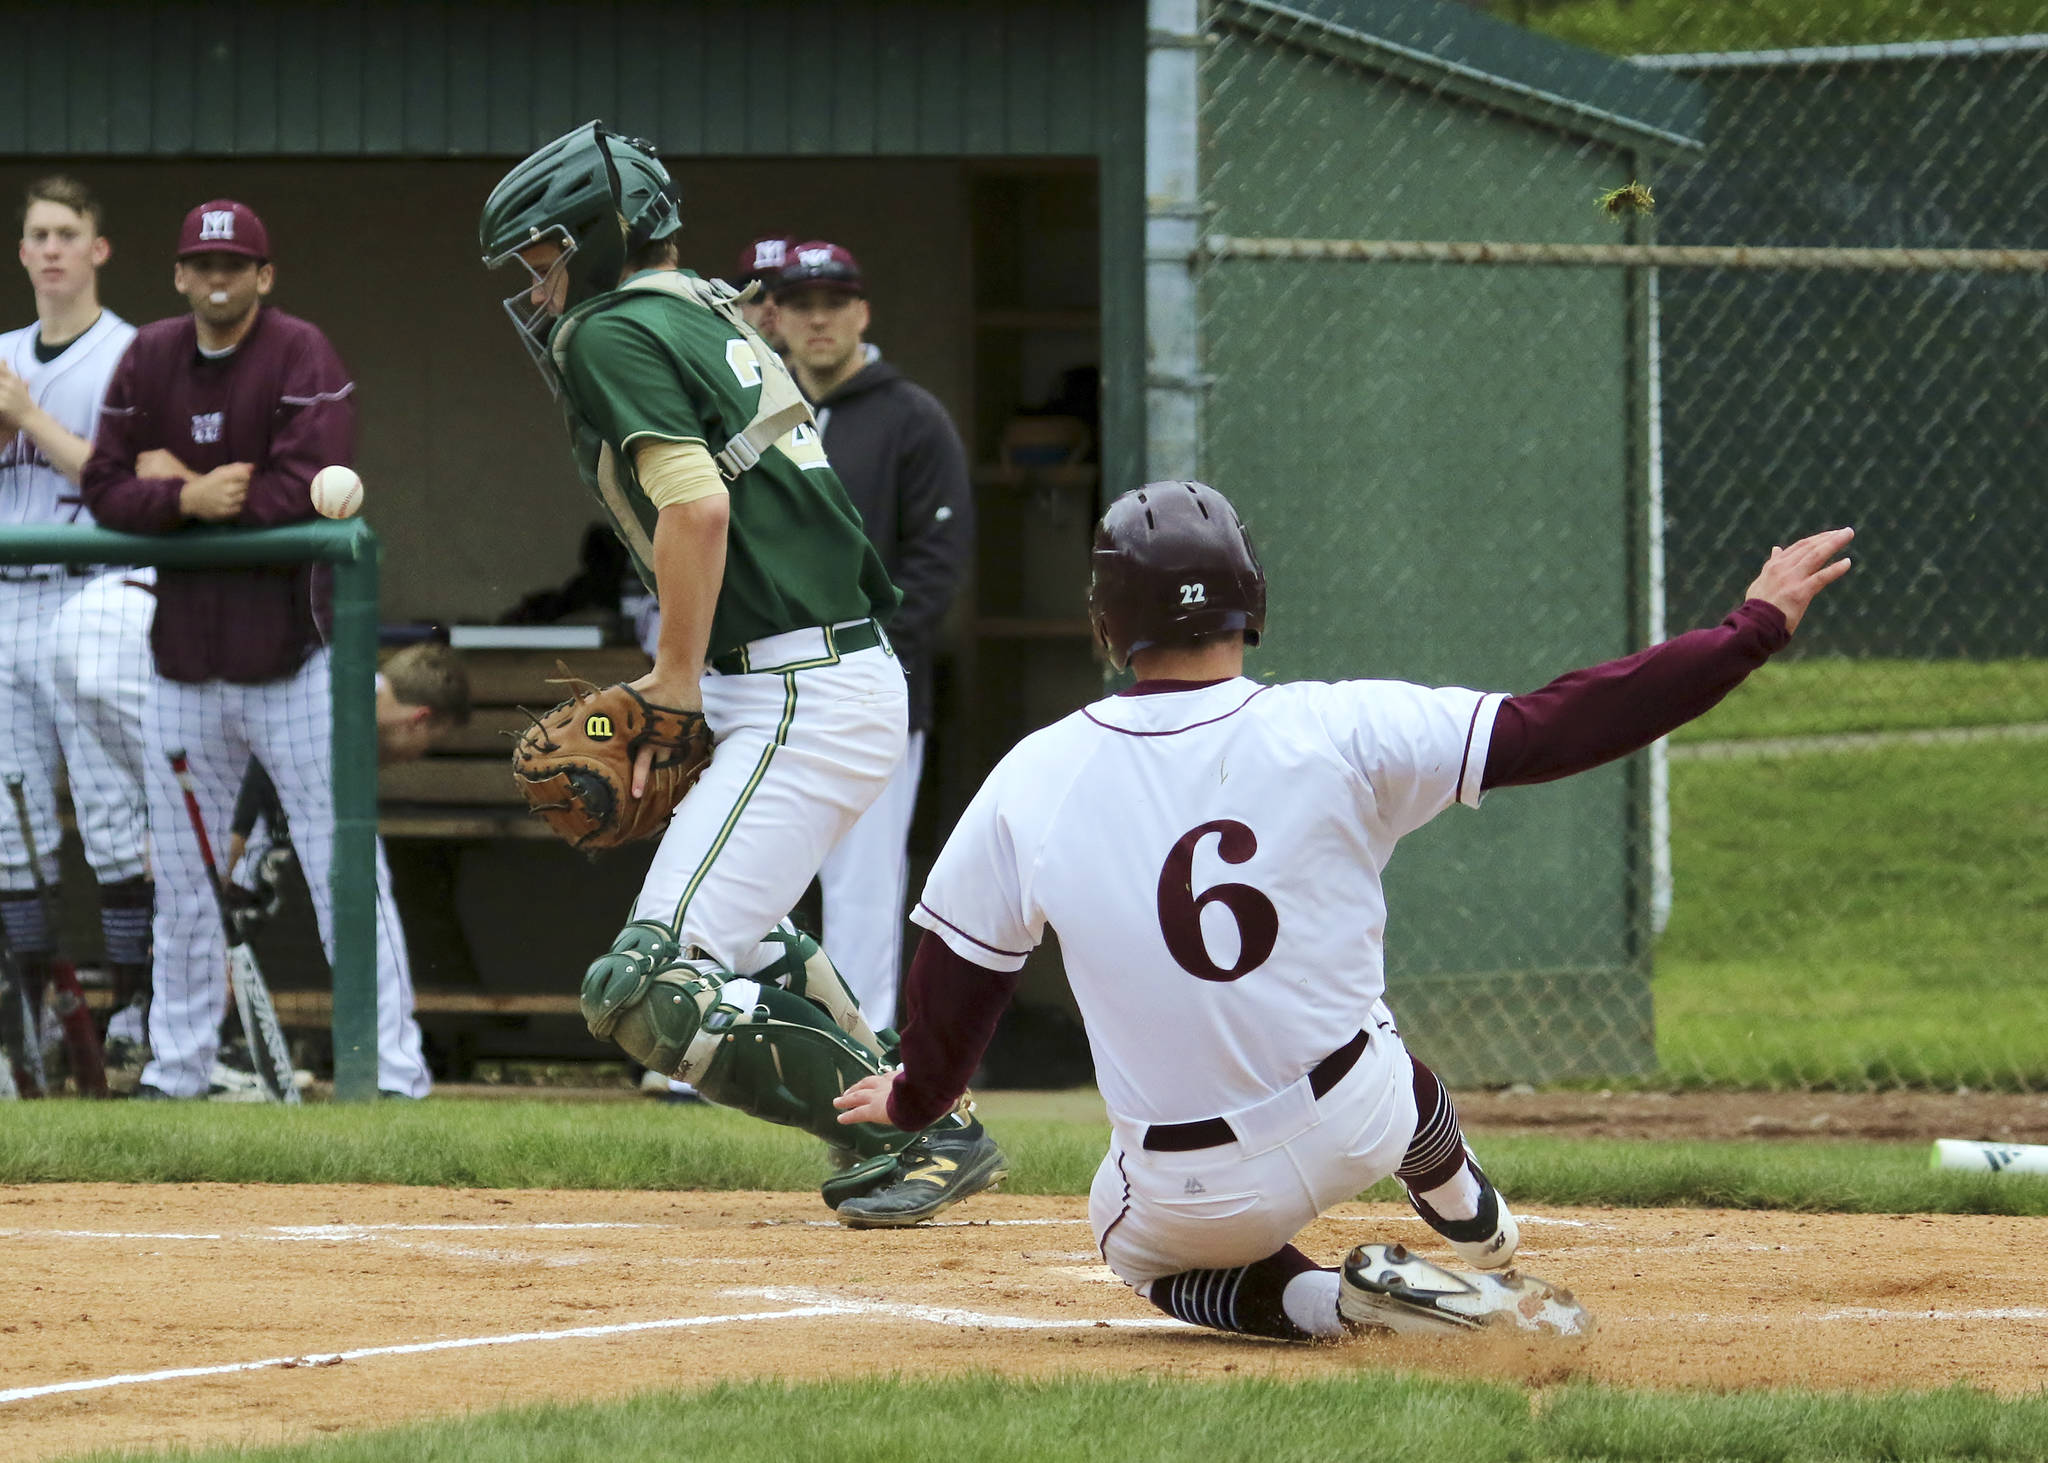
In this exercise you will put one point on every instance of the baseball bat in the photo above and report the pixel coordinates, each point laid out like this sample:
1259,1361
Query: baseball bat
81,1037
252,996
17,1076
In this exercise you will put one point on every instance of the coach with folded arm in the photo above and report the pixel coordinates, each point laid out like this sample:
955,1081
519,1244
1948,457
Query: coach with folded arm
222,416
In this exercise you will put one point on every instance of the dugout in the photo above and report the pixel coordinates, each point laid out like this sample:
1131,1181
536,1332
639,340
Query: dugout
1033,189
982,161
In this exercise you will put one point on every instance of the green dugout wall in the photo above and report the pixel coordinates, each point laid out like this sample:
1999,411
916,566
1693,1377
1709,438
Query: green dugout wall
1445,467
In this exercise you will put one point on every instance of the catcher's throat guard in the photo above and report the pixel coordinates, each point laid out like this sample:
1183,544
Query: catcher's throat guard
741,1042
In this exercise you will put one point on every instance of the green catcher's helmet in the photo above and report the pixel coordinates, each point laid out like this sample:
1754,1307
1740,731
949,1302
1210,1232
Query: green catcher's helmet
600,196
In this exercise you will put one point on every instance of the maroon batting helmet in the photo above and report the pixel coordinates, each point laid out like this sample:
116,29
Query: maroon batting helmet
1173,564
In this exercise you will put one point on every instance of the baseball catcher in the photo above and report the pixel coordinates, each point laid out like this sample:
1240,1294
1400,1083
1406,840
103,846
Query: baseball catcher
776,707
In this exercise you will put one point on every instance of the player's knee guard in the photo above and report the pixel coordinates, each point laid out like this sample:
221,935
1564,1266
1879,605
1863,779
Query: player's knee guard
618,998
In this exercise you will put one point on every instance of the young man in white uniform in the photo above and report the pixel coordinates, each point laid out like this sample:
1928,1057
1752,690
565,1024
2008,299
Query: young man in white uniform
58,623
1209,850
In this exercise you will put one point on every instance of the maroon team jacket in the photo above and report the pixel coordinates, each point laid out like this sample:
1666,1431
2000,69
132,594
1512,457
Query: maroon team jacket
282,402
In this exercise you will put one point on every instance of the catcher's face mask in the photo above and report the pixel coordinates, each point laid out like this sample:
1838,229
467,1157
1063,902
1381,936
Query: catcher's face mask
544,257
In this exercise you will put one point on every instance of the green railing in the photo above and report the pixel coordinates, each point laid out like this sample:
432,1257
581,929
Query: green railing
351,548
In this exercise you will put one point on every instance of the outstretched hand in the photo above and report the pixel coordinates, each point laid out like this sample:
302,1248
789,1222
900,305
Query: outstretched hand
867,1101
1792,576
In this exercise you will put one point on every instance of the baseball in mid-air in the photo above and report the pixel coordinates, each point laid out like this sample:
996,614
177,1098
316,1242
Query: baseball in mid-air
337,492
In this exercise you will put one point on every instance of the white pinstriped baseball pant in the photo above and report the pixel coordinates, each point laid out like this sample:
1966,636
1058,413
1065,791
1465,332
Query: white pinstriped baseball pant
74,672
865,881
287,725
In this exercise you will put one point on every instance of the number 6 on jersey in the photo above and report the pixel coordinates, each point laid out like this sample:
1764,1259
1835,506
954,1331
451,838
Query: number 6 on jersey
1180,908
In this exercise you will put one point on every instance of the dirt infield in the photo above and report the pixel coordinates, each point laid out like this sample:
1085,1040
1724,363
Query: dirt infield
440,1301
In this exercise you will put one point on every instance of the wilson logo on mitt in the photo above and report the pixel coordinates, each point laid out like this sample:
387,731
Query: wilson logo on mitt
574,766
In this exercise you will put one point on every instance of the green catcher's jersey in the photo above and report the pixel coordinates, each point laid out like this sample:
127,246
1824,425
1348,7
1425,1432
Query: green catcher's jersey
647,365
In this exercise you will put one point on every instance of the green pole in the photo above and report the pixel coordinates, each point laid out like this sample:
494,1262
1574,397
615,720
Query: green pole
354,670
351,547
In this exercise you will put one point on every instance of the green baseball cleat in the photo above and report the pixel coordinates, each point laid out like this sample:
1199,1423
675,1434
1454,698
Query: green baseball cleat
935,1171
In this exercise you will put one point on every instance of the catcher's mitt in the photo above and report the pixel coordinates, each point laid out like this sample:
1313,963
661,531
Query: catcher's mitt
575,765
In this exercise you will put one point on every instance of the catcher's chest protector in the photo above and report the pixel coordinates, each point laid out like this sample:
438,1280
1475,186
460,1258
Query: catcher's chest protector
781,406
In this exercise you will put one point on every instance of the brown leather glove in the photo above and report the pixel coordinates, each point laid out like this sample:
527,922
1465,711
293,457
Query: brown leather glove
575,765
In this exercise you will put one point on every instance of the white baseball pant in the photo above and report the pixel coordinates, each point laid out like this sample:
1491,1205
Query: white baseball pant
44,644
865,881
287,725
1296,1155
99,677
802,747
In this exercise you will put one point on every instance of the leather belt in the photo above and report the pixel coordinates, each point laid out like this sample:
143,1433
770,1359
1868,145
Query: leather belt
840,642
1211,1132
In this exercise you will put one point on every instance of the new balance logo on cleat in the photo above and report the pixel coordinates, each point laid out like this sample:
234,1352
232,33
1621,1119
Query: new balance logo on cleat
1194,1186
936,1170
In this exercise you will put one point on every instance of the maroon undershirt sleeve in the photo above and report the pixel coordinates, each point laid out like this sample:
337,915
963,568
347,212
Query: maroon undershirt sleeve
1591,716
951,1006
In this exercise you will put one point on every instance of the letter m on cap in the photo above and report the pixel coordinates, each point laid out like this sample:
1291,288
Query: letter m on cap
217,223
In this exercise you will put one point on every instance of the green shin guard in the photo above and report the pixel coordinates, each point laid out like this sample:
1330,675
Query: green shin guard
804,969
784,1061
743,1043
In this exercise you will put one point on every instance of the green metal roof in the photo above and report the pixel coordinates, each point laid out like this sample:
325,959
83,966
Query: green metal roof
432,79
1459,51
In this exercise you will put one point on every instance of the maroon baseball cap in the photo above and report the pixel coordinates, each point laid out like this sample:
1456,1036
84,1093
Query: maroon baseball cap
820,263
764,259
224,227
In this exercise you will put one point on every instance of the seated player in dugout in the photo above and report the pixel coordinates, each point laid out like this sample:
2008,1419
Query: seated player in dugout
696,441
1209,850
422,700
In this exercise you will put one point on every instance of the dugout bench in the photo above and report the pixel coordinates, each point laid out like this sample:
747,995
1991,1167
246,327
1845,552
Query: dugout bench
500,916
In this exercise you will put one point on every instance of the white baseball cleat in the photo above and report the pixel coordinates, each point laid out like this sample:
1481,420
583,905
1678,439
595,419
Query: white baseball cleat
1497,1250
1387,1287
1486,1241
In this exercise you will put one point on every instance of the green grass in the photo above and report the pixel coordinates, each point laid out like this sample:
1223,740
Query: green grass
1629,27
563,1145
1377,1415
1855,919
492,1143
1820,697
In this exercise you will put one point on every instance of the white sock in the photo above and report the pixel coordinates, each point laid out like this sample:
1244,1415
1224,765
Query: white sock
1310,1301
1458,1199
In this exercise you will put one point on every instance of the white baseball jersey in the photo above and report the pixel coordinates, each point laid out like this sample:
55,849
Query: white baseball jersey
70,389
1211,861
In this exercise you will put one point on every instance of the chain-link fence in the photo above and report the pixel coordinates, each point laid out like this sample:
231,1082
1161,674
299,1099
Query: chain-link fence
1487,466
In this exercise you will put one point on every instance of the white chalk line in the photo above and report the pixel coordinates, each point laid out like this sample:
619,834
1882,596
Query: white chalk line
416,1348
339,1232
807,1303
317,1231
952,1316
